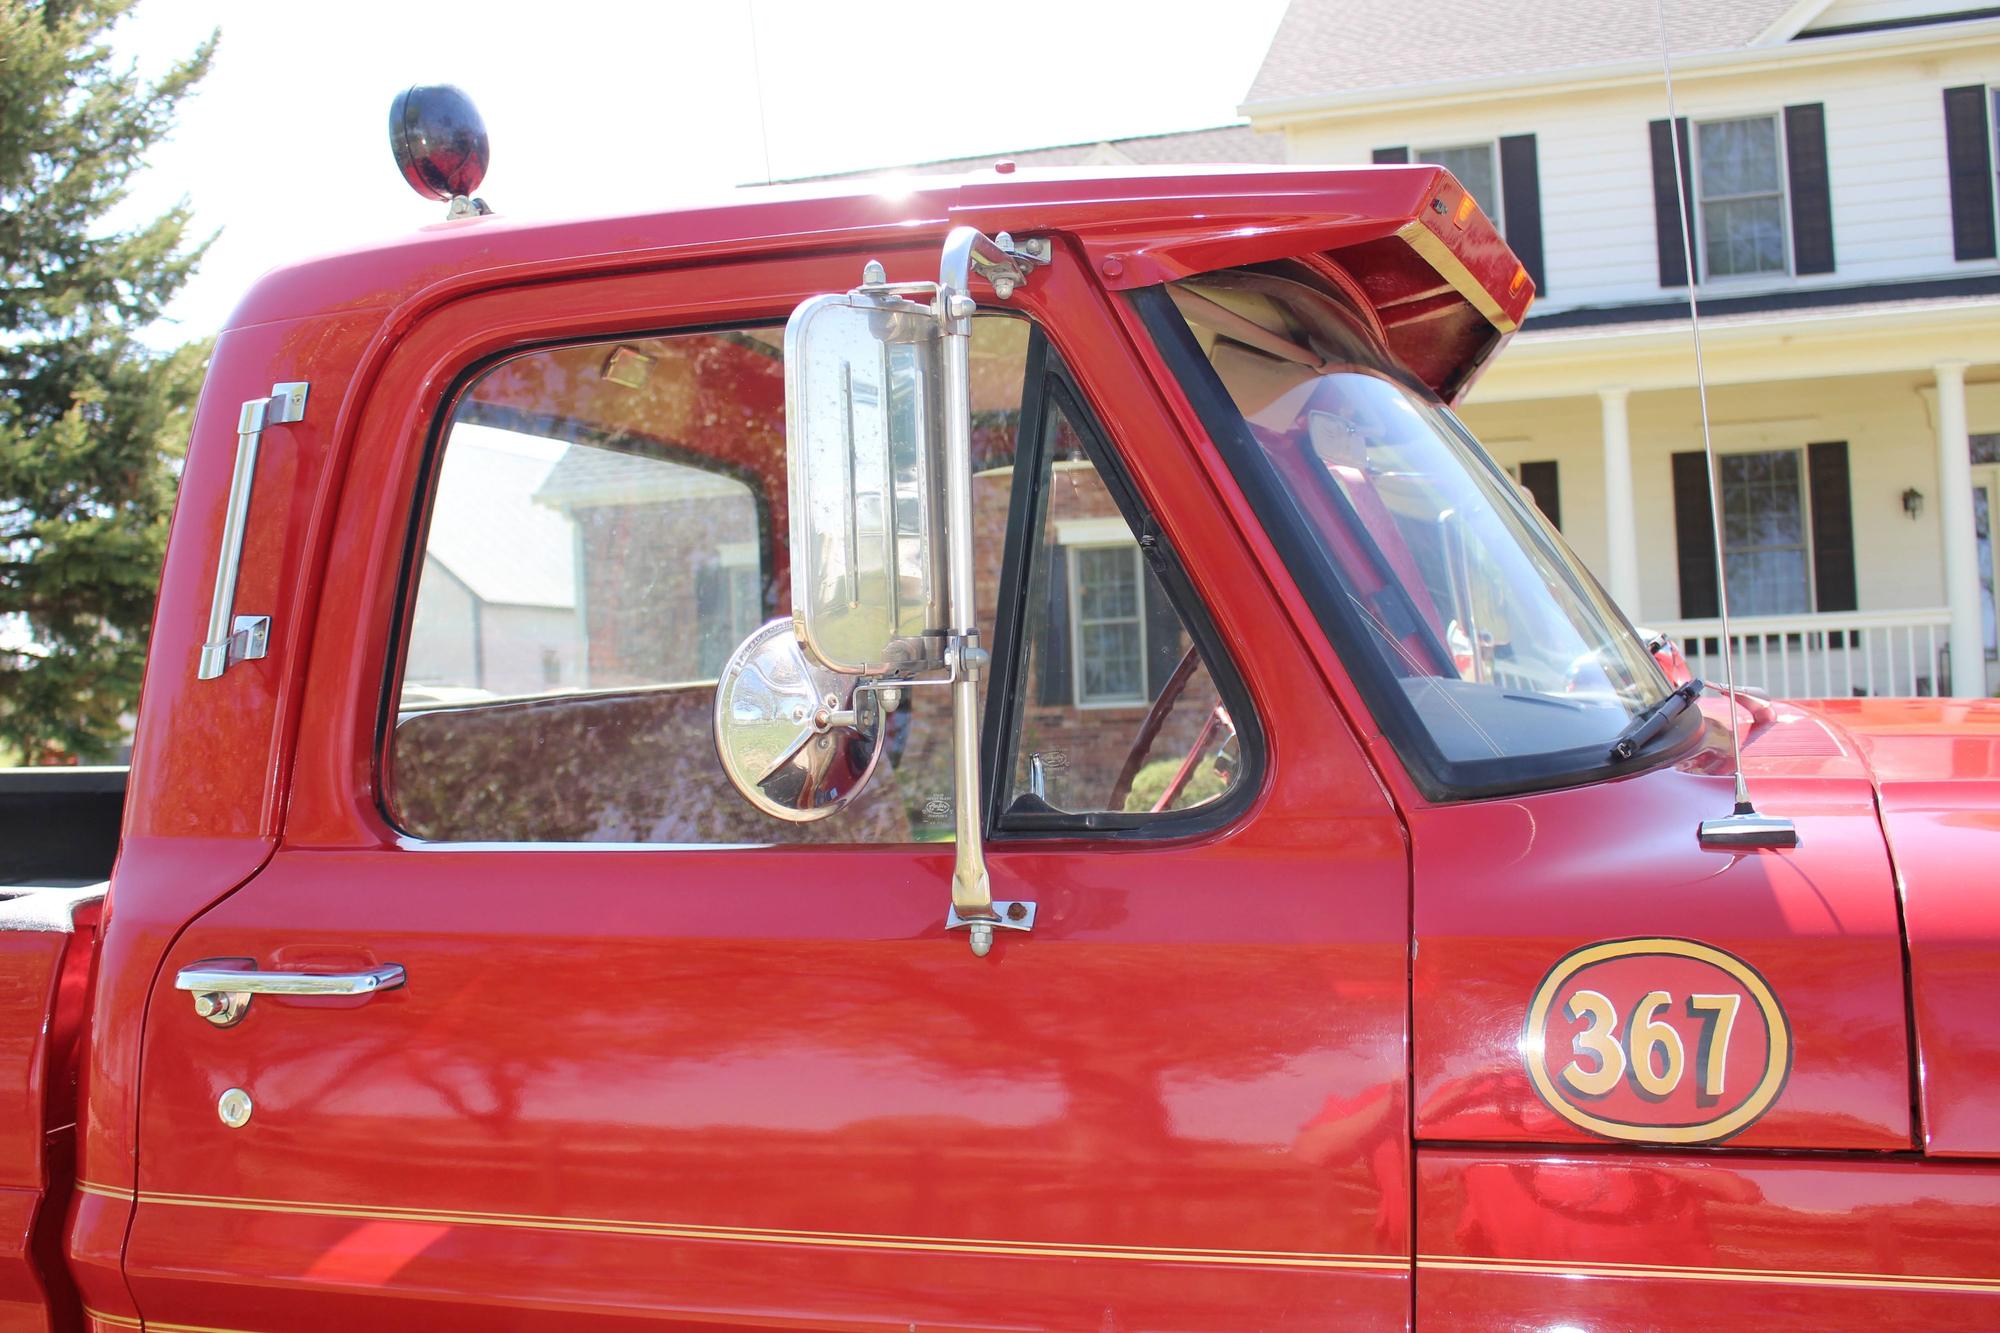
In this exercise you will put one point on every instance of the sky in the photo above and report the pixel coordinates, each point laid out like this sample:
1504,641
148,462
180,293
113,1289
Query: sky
612,106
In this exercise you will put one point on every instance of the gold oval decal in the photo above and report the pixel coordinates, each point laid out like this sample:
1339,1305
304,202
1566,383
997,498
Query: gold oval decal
1657,1040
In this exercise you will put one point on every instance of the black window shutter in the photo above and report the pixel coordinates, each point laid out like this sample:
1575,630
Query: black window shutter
1055,685
1812,193
1164,644
1969,157
1666,226
1694,536
1392,155
1832,526
1540,479
1521,203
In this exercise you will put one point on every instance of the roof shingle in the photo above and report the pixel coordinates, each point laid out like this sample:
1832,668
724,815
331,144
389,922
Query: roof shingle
1325,47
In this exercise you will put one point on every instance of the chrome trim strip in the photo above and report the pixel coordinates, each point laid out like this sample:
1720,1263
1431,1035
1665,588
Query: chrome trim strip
389,976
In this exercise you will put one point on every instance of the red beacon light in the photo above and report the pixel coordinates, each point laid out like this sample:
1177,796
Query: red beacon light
440,144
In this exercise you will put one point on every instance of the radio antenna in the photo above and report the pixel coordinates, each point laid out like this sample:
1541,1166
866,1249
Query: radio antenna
1744,827
757,77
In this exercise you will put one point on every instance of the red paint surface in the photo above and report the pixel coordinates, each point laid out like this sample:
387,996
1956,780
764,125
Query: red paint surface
1535,1240
1938,765
1507,887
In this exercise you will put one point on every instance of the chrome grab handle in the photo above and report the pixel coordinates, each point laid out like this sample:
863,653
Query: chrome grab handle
233,638
222,994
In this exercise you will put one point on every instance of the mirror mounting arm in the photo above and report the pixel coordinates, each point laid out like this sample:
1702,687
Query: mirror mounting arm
966,251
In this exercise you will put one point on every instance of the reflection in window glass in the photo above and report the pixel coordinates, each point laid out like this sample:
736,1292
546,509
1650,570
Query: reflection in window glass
608,522
1484,632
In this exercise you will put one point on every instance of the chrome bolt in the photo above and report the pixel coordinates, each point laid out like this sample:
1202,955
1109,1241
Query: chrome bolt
982,938
234,1107
873,274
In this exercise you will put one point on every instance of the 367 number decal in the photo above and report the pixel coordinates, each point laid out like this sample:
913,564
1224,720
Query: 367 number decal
1652,1051
1657,1040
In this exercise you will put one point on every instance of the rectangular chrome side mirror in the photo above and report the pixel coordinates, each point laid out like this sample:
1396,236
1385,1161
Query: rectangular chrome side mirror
864,387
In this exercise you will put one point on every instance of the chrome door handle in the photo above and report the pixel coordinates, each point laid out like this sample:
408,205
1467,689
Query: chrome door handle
222,994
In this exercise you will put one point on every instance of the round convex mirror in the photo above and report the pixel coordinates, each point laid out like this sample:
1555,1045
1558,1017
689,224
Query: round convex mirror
799,741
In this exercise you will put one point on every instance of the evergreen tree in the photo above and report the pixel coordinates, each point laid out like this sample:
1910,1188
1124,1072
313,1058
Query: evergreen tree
91,422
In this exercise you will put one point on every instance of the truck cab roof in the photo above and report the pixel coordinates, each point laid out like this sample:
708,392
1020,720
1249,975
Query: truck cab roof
1407,241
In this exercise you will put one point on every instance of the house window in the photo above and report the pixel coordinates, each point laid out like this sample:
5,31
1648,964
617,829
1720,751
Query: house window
1765,541
1107,601
1740,182
1477,170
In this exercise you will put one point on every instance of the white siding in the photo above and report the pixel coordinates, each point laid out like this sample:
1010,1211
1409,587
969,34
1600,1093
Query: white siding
1886,159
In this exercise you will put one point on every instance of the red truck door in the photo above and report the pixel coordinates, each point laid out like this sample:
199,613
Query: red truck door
640,1055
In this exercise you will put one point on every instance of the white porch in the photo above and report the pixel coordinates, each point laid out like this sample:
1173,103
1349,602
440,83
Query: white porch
1906,387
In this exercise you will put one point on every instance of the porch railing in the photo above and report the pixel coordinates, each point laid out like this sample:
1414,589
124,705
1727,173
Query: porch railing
1834,655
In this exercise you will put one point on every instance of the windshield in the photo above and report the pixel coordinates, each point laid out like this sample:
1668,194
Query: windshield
1494,660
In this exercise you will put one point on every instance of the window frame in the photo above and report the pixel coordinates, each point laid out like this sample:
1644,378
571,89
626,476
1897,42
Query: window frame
1783,194
1494,207
1052,387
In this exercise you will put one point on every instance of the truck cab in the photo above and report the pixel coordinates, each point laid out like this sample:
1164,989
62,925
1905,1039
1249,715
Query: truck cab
550,905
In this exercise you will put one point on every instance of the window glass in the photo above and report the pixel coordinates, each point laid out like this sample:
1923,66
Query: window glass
1475,168
1486,648
1764,533
1117,711
1742,192
609,521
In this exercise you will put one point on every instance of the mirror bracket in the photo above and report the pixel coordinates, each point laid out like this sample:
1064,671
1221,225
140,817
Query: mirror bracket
1006,916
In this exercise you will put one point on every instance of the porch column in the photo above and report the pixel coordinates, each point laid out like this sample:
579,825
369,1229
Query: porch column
1961,571
1621,528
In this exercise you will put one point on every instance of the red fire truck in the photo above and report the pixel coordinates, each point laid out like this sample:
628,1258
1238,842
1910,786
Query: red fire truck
983,753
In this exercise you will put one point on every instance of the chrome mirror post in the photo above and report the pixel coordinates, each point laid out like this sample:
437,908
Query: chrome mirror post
967,250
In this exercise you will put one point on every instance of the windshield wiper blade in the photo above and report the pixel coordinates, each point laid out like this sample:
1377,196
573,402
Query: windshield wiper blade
1653,721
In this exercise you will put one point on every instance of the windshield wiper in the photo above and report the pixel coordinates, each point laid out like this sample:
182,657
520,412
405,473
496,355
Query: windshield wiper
1653,721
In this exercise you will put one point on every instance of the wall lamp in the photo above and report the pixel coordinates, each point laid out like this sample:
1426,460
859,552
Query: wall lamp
1913,502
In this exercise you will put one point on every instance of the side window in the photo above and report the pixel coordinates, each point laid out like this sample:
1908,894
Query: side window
608,521
1117,712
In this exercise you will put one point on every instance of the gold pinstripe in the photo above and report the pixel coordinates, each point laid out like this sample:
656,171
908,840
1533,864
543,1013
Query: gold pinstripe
1033,1249
104,1191
1780,1276
763,1236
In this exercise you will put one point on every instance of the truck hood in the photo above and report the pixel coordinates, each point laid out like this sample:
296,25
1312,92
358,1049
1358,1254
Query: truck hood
1935,765
1917,740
